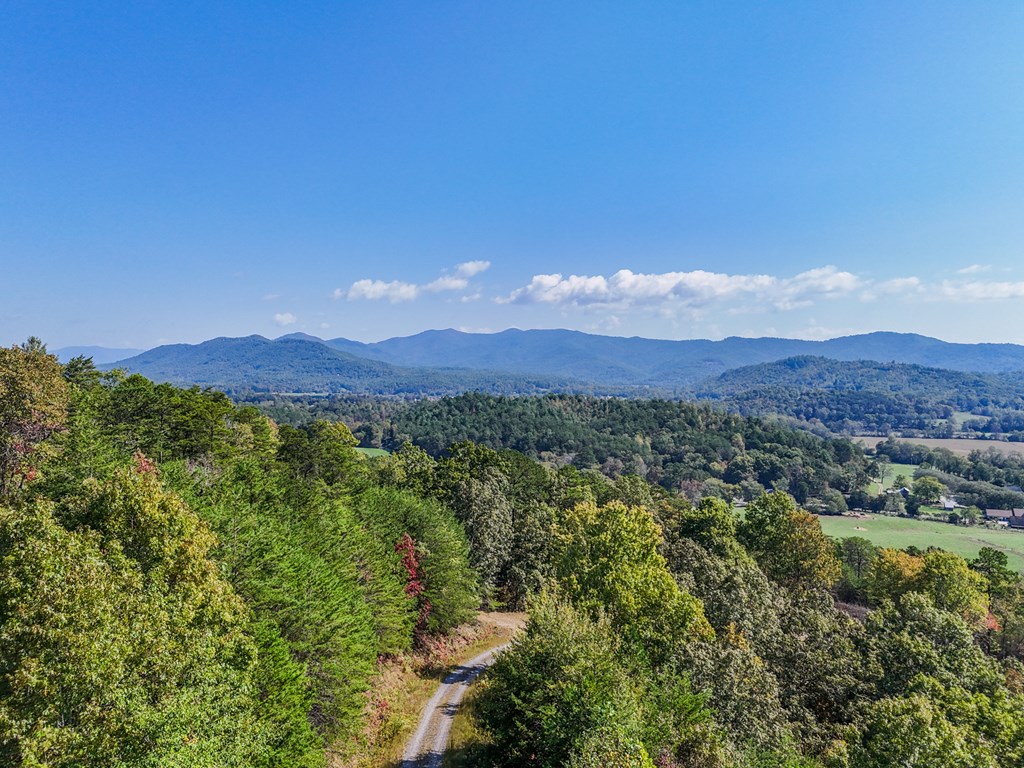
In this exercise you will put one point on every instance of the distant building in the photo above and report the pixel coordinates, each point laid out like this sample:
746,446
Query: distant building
1011,517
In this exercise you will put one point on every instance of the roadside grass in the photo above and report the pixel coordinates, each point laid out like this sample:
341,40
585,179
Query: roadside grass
404,686
469,746
900,532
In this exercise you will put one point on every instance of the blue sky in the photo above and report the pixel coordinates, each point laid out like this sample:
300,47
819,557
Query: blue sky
177,171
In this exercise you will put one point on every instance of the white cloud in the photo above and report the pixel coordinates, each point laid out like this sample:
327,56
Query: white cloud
446,283
981,290
683,290
901,286
285,318
373,290
270,296
974,269
397,290
471,268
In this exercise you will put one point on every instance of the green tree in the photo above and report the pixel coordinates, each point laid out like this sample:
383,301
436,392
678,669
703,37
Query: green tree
927,489
607,559
788,543
953,586
119,642
561,693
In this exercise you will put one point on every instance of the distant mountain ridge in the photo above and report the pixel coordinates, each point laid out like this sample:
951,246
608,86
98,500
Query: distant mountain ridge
301,366
438,360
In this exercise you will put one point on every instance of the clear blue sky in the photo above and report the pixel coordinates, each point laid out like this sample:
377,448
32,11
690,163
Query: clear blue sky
177,171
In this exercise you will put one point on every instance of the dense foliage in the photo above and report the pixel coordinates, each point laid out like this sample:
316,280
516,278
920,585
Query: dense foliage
863,397
184,582
680,446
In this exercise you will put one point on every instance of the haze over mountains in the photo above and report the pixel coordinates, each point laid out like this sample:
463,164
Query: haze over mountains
441,361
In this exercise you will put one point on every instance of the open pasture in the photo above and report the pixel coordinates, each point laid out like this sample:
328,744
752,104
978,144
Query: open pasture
958,445
900,532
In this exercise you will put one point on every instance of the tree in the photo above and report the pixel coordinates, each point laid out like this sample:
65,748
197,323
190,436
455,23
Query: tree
892,574
928,490
560,692
607,560
481,504
33,405
914,733
788,543
993,564
120,644
953,586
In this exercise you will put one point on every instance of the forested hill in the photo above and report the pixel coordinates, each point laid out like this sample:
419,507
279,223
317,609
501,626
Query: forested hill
291,364
674,444
865,396
806,372
527,362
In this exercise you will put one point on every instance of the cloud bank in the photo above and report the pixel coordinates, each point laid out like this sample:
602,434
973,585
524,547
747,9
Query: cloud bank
697,289
397,291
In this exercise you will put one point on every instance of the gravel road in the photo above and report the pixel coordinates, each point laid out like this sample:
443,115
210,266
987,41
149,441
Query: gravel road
427,746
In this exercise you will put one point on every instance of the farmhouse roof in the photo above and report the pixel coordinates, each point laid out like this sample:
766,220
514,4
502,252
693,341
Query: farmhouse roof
1005,514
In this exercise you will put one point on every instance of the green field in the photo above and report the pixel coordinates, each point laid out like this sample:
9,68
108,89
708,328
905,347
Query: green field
900,532
372,451
961,446
891,473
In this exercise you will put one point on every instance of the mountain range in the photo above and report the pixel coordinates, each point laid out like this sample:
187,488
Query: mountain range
532,361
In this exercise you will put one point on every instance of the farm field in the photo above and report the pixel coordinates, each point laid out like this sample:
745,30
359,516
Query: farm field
958,445
372,451
900,532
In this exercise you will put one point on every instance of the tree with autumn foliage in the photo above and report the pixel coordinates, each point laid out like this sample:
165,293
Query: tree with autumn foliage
33,406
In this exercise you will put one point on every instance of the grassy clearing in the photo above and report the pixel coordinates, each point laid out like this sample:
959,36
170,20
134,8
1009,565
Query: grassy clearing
404,686
373,451
891,473
900,532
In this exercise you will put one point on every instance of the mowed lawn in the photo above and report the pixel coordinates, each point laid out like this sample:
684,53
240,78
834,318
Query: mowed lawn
900,532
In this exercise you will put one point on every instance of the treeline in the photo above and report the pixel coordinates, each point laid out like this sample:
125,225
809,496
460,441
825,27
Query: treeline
680,446
677,635
184,583
985,479
865,397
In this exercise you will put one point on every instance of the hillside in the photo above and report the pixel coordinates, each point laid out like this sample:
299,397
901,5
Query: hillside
855,396
666,363
290,364
551,359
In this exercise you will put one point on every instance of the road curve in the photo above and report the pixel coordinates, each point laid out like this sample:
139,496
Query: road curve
427,746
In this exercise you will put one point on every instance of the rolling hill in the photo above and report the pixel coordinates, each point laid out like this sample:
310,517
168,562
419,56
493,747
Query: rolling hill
299,365
516,361
865,396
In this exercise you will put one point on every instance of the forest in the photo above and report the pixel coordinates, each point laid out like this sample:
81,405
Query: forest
185,581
